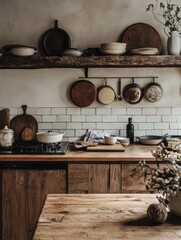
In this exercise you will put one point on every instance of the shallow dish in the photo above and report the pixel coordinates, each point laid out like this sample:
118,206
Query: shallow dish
23,51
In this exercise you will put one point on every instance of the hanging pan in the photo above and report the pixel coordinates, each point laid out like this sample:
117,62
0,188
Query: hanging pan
55,41
83,93
153,91
106,94
133,93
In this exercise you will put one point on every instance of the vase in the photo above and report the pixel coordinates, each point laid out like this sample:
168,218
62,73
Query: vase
174,43
175,203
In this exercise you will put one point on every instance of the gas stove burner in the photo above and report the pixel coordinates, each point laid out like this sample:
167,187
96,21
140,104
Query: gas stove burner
34,147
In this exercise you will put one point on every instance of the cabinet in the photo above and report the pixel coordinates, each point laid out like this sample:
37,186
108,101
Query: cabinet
23,193
103,178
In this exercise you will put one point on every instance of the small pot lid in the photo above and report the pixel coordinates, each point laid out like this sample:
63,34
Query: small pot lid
6,130
49,133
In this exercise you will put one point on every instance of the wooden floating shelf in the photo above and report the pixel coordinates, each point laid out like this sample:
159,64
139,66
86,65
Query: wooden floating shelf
36,62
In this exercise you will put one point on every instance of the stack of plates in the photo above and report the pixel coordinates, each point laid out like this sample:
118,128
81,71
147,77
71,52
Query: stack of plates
144,51
72,52
113,48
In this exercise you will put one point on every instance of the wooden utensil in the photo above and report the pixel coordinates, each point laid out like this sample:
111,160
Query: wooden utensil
83,93
21,124
4,118
141,35
105,148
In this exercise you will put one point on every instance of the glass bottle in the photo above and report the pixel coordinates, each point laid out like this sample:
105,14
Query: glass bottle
130,130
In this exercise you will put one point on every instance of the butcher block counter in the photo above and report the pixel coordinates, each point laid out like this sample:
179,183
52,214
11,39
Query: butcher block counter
102,216
132,152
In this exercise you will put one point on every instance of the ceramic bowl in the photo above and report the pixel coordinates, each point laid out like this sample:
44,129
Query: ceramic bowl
124,141
110,140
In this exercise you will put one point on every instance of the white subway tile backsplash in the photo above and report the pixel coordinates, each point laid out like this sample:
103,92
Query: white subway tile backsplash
134,111
153,119
176,111
88,111
163,111
161,126
44,111
78,118
118,111
75,121
110,119
49,118
63,118
73,111
74,126
59,126
103,111
139,119
94,118
59,111
149,111
89,125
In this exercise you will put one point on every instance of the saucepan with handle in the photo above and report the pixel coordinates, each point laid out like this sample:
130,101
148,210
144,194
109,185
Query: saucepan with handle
151,139
106,93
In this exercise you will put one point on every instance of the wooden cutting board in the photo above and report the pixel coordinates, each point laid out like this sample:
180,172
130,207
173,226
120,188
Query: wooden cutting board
4,118
140,35
25,126
104,147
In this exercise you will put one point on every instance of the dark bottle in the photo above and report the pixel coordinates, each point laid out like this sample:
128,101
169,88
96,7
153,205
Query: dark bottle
130,130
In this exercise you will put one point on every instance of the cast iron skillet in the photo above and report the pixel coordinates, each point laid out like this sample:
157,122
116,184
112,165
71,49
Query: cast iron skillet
83,93
133,93
55,41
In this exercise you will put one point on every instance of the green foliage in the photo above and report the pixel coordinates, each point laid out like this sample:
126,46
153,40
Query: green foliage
166,177
169,15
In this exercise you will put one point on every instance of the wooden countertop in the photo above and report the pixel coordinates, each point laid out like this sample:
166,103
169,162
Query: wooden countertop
133,152
102,216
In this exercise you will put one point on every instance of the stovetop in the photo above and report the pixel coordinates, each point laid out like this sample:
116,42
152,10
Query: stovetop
34,147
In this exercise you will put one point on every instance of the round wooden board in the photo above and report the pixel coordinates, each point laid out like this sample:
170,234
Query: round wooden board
83,93
140,35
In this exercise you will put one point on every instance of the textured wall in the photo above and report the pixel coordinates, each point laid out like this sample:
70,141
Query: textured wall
88,23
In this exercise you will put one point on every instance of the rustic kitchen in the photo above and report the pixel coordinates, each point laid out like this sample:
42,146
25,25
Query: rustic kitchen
88,90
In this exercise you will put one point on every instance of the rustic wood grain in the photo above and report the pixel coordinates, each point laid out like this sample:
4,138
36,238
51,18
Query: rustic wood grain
40,183
106,148
133,153
36,62
14,209
102,216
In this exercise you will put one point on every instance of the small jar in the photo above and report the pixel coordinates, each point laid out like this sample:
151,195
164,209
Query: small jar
6,137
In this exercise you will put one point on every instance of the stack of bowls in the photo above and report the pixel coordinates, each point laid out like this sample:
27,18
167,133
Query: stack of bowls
113,48
124,141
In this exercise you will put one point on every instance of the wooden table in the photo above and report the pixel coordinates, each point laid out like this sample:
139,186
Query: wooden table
102,216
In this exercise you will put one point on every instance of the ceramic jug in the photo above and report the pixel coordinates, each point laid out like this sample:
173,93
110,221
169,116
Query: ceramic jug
174,43
6,137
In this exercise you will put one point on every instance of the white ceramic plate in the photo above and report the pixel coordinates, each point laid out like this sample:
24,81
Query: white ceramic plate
144,51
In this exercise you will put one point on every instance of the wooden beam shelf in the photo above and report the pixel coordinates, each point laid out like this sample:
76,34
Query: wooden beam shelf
36,62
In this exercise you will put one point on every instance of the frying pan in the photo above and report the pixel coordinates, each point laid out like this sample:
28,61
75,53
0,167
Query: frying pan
153,92
133,93
55,41
151,139
106,94
83,93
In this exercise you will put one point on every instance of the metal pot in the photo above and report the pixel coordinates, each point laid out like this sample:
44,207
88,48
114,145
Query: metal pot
150,139
153,91
6,137
133,93
49,137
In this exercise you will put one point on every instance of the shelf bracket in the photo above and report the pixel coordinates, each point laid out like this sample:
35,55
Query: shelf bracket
86,72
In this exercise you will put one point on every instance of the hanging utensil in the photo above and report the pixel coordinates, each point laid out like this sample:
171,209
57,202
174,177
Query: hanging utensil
119,97
133,93
106,93
153,91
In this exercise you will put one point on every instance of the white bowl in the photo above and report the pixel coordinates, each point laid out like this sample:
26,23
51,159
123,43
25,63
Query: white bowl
113,52
112,139
23,51
113,44
124,141
72,52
